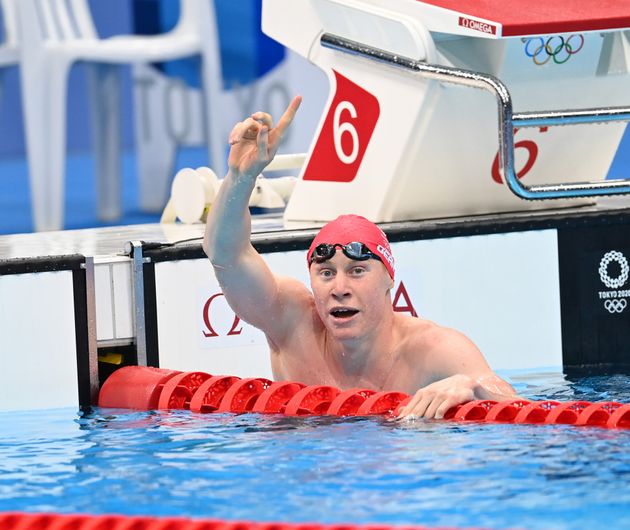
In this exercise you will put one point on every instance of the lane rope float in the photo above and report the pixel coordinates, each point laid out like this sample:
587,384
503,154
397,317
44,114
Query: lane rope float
145,388
52,521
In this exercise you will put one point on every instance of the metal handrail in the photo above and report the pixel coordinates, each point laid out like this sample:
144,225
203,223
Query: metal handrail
507,120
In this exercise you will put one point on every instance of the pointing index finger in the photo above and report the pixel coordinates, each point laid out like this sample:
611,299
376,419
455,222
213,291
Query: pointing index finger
288,115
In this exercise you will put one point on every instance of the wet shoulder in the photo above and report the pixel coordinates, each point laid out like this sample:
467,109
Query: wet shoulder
293,293
418,336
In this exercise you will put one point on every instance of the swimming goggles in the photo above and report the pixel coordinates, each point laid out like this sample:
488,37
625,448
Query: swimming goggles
355,251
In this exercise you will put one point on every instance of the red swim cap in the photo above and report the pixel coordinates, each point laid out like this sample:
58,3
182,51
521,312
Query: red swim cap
348,228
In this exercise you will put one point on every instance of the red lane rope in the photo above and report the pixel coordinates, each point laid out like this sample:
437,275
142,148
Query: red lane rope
144,388
27,521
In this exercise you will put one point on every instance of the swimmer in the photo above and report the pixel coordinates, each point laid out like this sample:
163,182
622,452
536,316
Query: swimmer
345,332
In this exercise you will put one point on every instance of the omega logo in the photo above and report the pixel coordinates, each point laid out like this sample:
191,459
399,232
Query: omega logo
401,304
477,25
210,331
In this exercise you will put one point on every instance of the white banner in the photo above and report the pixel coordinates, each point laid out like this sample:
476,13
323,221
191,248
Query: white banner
38,342
500,290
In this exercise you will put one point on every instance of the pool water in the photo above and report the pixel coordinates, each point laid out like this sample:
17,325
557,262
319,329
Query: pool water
325,470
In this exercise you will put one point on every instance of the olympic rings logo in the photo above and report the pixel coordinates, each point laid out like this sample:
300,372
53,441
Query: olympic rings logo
554,48
613,283
615,305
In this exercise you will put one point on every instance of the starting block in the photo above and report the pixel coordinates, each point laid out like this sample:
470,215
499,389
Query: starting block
405,137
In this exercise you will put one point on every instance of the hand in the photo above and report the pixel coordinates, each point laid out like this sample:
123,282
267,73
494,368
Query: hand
434,400
255,141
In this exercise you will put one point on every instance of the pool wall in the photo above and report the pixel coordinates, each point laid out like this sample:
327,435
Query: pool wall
532,290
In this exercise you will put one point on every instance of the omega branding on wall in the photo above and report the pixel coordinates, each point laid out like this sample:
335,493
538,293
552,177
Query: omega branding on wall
197,330
220,327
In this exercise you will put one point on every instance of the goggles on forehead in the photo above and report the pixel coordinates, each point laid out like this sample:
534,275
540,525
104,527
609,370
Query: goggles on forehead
355,251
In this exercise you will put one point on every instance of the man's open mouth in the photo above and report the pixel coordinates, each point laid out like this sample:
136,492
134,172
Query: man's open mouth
343,312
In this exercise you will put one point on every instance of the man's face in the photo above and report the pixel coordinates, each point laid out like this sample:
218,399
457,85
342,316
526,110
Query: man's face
350,296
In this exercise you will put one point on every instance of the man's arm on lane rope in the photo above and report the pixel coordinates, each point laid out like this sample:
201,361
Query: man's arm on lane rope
460,356
250,287
462,375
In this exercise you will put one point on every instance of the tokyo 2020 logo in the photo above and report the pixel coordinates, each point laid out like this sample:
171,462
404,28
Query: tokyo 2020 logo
620,259
614,299
556,48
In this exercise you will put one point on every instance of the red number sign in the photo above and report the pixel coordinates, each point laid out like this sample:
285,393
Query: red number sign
532,154
347,130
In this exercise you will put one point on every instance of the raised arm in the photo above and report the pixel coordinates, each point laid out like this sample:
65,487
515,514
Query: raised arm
250,287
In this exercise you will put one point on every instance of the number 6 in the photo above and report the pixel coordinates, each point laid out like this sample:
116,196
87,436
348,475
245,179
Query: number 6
340,128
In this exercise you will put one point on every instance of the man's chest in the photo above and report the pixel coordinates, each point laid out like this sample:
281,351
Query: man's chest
305,366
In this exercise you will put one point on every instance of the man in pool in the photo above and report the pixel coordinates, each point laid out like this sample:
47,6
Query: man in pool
345,332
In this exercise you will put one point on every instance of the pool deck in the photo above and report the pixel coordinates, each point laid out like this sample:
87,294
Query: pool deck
110,241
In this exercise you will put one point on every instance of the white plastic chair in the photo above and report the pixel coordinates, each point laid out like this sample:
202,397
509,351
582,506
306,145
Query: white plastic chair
58,33
9,49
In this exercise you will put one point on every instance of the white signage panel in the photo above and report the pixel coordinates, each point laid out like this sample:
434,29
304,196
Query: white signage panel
501,290
197,330
38,345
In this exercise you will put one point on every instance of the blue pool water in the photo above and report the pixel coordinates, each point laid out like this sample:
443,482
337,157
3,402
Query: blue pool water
327,470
